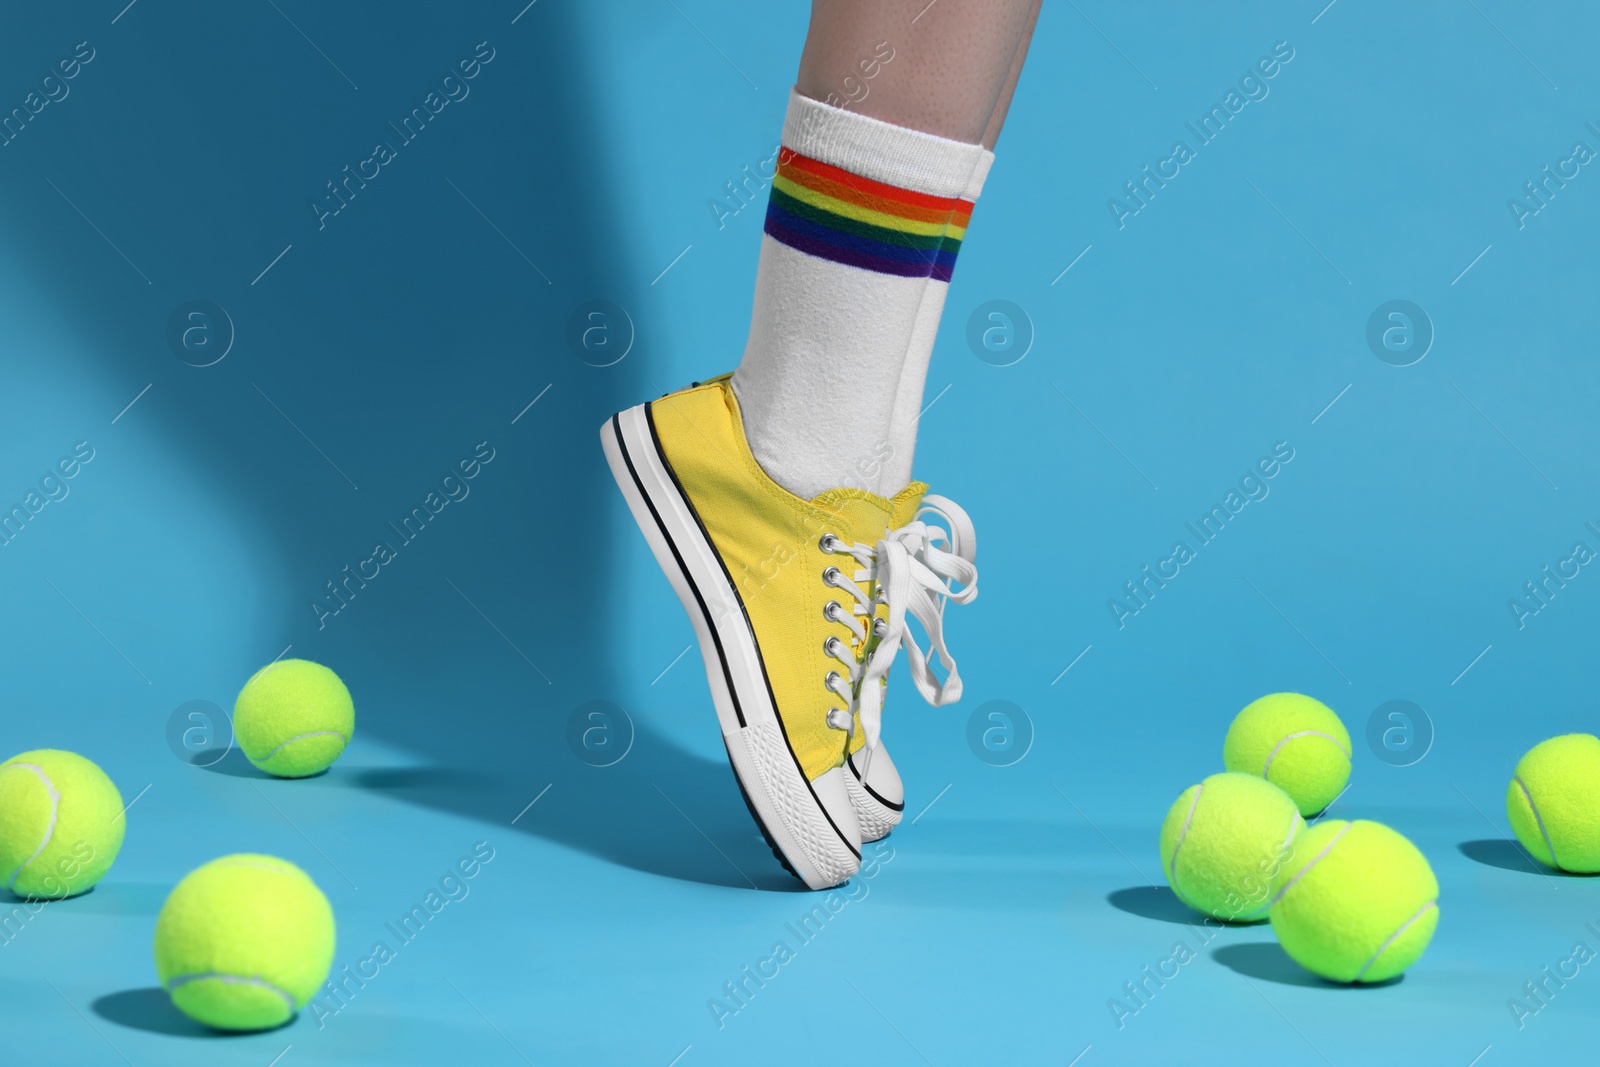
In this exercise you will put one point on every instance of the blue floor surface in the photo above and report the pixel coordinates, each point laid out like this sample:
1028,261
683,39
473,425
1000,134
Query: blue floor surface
604,159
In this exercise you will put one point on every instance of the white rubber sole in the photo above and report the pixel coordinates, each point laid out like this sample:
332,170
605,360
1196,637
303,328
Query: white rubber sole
876,813
810,825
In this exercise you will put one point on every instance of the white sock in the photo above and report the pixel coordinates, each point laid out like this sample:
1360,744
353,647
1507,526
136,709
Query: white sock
909,393
861,233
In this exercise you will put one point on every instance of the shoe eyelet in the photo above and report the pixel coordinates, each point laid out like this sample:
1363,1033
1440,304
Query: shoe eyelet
829,643
830,611
827,542
832,676
879,628
831,575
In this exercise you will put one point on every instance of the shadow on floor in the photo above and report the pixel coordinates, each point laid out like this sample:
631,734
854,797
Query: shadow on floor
661,810
1507,855
1268,961
1153,902
1162,904
151,1010
235,765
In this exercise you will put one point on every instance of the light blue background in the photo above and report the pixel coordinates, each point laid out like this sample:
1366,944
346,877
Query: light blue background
423,319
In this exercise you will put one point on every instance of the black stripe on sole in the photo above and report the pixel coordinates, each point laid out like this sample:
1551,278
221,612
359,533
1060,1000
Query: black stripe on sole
744,613
622,447
716,638
655,437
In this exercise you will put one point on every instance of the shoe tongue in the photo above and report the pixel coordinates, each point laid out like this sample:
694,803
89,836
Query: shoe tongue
863,516
903,505
860,515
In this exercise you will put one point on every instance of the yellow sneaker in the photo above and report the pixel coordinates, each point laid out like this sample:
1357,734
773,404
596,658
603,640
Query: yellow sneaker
910,569
759,571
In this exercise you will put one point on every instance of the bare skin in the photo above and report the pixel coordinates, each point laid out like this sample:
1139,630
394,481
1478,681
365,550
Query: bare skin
954,68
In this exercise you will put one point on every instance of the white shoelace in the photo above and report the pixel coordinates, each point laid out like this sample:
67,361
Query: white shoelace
916,569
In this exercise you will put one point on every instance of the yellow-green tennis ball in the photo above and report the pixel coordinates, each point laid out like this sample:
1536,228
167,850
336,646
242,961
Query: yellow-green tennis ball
61,824
293,718
244,942
1553,802
1357,902
1296,743
1223,841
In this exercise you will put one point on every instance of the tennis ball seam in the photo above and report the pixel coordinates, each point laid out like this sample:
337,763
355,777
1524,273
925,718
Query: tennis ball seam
1392,938
1300,733
231,979
1188,817
1528,795
1283,850
1318,858
50,830
302,737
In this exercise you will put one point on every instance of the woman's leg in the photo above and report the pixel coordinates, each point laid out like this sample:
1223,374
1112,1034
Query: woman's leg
955,63
902,435
884,154
797,614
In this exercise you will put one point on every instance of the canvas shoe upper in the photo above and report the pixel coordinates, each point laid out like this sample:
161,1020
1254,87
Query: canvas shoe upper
776,600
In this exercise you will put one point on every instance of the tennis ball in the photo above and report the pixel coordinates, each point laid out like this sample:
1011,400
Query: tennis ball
61,824
1356,902
1223,841
244,942
1294,742
293,718
1553,802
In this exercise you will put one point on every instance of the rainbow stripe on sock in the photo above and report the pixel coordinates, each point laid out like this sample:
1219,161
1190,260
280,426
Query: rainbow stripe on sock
828,212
